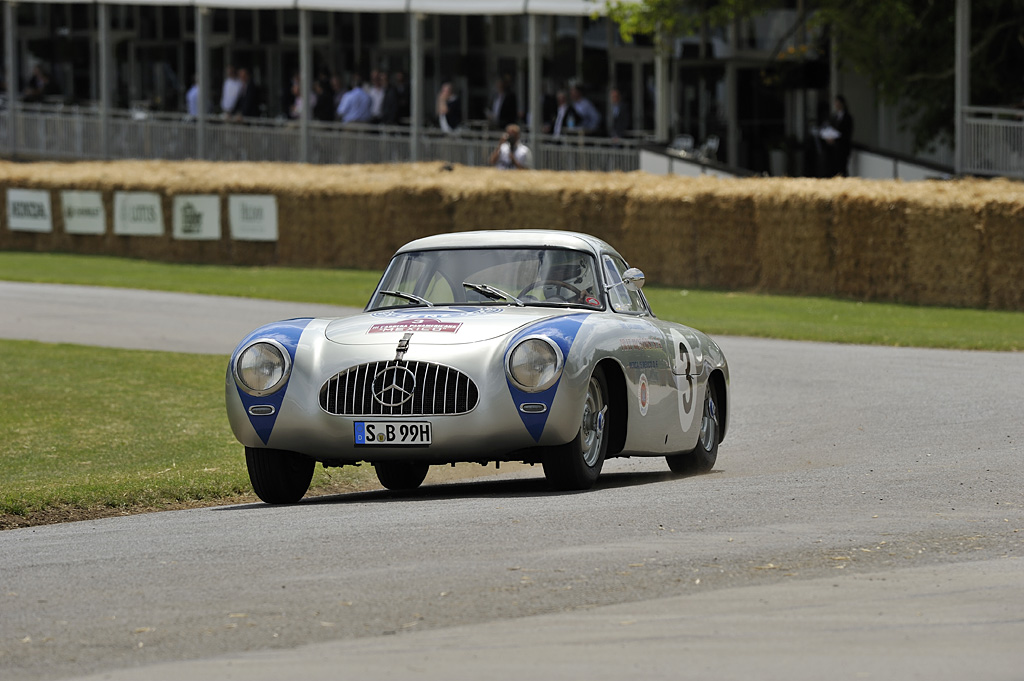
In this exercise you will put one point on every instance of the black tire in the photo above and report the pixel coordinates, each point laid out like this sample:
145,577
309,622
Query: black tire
576,465
702,458
277,476
401,475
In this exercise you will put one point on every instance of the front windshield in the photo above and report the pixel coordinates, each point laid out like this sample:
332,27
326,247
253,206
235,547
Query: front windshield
490,276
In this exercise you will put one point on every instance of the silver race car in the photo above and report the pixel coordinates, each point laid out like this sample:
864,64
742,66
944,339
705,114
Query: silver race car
532,346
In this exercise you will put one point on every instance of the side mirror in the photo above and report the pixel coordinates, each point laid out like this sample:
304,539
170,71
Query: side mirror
634,279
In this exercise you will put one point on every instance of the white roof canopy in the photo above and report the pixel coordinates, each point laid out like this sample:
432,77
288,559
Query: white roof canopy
557,7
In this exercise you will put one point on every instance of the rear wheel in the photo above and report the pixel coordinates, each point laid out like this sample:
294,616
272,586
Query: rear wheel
277,476
703,457
401,475
577,464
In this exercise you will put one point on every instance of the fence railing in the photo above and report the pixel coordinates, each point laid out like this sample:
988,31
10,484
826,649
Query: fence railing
994,141
69,133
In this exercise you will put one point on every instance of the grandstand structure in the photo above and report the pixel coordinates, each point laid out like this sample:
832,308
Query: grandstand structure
122,70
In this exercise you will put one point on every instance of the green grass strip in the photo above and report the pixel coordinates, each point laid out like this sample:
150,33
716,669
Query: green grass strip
720,313
85,427
335,287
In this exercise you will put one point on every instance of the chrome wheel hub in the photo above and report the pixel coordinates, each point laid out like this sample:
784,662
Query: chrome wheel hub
709,423
592,426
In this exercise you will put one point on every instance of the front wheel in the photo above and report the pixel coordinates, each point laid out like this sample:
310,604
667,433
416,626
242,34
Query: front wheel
277,476
576,464
703,457
401,475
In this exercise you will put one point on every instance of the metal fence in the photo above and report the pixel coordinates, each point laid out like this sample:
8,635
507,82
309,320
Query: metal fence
994,142
69,133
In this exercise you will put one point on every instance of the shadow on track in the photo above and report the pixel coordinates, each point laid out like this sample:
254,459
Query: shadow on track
473,488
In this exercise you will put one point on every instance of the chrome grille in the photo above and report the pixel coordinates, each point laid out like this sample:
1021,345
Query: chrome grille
438,391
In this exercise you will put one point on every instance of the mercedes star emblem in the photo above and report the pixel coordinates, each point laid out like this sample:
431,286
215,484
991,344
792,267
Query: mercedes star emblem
393,386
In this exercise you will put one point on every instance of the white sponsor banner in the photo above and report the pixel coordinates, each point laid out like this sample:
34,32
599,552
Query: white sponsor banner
197,217
28,210
138,214
83,212
253,217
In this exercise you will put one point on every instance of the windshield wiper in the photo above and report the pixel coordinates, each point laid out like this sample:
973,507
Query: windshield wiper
408,296
494,292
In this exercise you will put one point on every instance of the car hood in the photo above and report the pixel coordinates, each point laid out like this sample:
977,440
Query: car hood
437,325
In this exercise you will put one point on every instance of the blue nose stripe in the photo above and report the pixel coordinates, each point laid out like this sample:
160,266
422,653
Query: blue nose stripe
562,331
286,333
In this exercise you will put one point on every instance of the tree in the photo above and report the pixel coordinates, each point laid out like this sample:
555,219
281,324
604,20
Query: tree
905,47
668,19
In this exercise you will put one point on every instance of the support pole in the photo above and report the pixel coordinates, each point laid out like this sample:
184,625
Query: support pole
11,75
416,85
962,81
732,113
536,102
662,96
305,79
103,19
202,80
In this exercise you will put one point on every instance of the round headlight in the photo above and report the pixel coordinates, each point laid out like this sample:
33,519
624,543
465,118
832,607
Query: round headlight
262,368
535,364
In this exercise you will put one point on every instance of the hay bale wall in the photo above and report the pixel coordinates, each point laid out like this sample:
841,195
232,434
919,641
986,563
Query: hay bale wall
951,243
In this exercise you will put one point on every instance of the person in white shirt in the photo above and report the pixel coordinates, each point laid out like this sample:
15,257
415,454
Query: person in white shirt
510,154
565,115
376,88
231,91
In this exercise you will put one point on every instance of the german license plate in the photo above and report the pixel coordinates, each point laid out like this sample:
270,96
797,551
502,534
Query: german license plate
393,433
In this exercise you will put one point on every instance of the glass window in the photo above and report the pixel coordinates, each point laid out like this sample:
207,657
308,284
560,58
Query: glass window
320,24
620,297
221,22
395,28
546,276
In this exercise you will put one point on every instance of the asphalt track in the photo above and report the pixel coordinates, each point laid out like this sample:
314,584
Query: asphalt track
864,521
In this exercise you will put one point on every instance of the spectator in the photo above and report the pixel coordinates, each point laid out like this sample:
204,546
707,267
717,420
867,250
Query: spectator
503,109
587,114
356,105
290,93
389,106
449,113
324,106
40,85
230,91
621,118
248,104
838,137
376,89
192,99
401,88
338,91
510,154
564,116
295,112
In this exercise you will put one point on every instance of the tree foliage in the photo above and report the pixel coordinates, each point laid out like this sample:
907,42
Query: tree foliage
905,47
666,19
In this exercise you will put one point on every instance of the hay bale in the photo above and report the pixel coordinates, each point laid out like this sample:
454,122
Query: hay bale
794,237
951,243
868,236
1003,226
659,233
726,253
943,243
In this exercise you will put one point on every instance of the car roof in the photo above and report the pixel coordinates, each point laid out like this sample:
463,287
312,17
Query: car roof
510,238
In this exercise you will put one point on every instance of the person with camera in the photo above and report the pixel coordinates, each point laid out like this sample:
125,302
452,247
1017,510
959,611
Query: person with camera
511,154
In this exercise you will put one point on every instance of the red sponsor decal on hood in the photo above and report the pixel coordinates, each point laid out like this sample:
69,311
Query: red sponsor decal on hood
421,324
